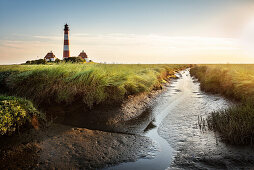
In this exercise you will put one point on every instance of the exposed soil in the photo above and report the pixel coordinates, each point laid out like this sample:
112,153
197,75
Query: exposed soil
65,147
67,143
103,117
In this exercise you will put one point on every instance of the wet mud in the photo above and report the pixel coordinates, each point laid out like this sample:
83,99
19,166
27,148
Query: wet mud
197,148
181,143
65,147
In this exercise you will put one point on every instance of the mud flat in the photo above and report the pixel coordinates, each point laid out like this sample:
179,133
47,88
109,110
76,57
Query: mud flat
196,148
61,146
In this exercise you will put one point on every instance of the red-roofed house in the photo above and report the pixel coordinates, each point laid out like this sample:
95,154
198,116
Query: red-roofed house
84,56
50,56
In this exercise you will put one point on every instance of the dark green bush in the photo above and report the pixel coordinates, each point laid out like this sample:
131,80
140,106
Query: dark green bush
74,60
14,113
57,60
39,61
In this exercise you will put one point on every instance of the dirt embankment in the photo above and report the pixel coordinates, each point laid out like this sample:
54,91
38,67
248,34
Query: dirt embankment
65,147
69,144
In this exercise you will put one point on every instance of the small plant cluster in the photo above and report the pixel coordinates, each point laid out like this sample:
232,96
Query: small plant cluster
236,124
236,82
14,113
75,60
40,61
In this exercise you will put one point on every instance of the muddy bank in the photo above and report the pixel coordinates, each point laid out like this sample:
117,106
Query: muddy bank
110,118
67,143
61,146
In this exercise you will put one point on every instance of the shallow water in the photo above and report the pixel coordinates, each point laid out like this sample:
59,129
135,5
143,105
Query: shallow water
180,142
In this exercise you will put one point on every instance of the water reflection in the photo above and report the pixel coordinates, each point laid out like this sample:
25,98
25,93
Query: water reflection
182,144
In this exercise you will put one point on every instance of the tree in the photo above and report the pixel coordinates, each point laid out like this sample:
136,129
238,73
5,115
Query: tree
57,60
74,60
40,61
28,62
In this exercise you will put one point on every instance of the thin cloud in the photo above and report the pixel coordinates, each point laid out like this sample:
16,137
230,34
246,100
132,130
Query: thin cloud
48,37
128,48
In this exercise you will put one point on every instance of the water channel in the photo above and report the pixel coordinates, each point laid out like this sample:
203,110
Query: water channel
180,142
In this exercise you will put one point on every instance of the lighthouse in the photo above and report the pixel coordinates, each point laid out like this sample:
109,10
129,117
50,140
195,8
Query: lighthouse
66,51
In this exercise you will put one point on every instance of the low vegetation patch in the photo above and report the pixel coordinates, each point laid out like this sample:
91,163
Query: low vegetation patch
15,113
88,83
233,81
236,124
236,82
57,61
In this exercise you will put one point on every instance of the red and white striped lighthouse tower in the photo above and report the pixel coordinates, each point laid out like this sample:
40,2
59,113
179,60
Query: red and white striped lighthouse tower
66,51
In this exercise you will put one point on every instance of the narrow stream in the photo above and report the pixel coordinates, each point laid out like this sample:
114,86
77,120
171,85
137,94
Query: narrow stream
180,142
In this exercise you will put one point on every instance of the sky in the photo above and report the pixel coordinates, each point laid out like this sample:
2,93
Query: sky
129,31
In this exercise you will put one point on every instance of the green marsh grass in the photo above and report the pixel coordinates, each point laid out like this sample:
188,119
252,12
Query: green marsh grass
89,83
236,82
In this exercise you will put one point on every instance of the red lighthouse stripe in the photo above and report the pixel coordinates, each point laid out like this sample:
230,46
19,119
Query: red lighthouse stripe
66,54
66,42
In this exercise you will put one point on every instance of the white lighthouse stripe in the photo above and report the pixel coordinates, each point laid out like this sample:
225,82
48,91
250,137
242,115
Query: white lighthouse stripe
66,37
66,47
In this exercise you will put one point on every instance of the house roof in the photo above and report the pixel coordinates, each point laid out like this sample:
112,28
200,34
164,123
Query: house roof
83,54
50,55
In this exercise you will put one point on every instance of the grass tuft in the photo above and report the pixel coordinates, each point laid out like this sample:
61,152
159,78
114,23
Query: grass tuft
235,124
236,82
